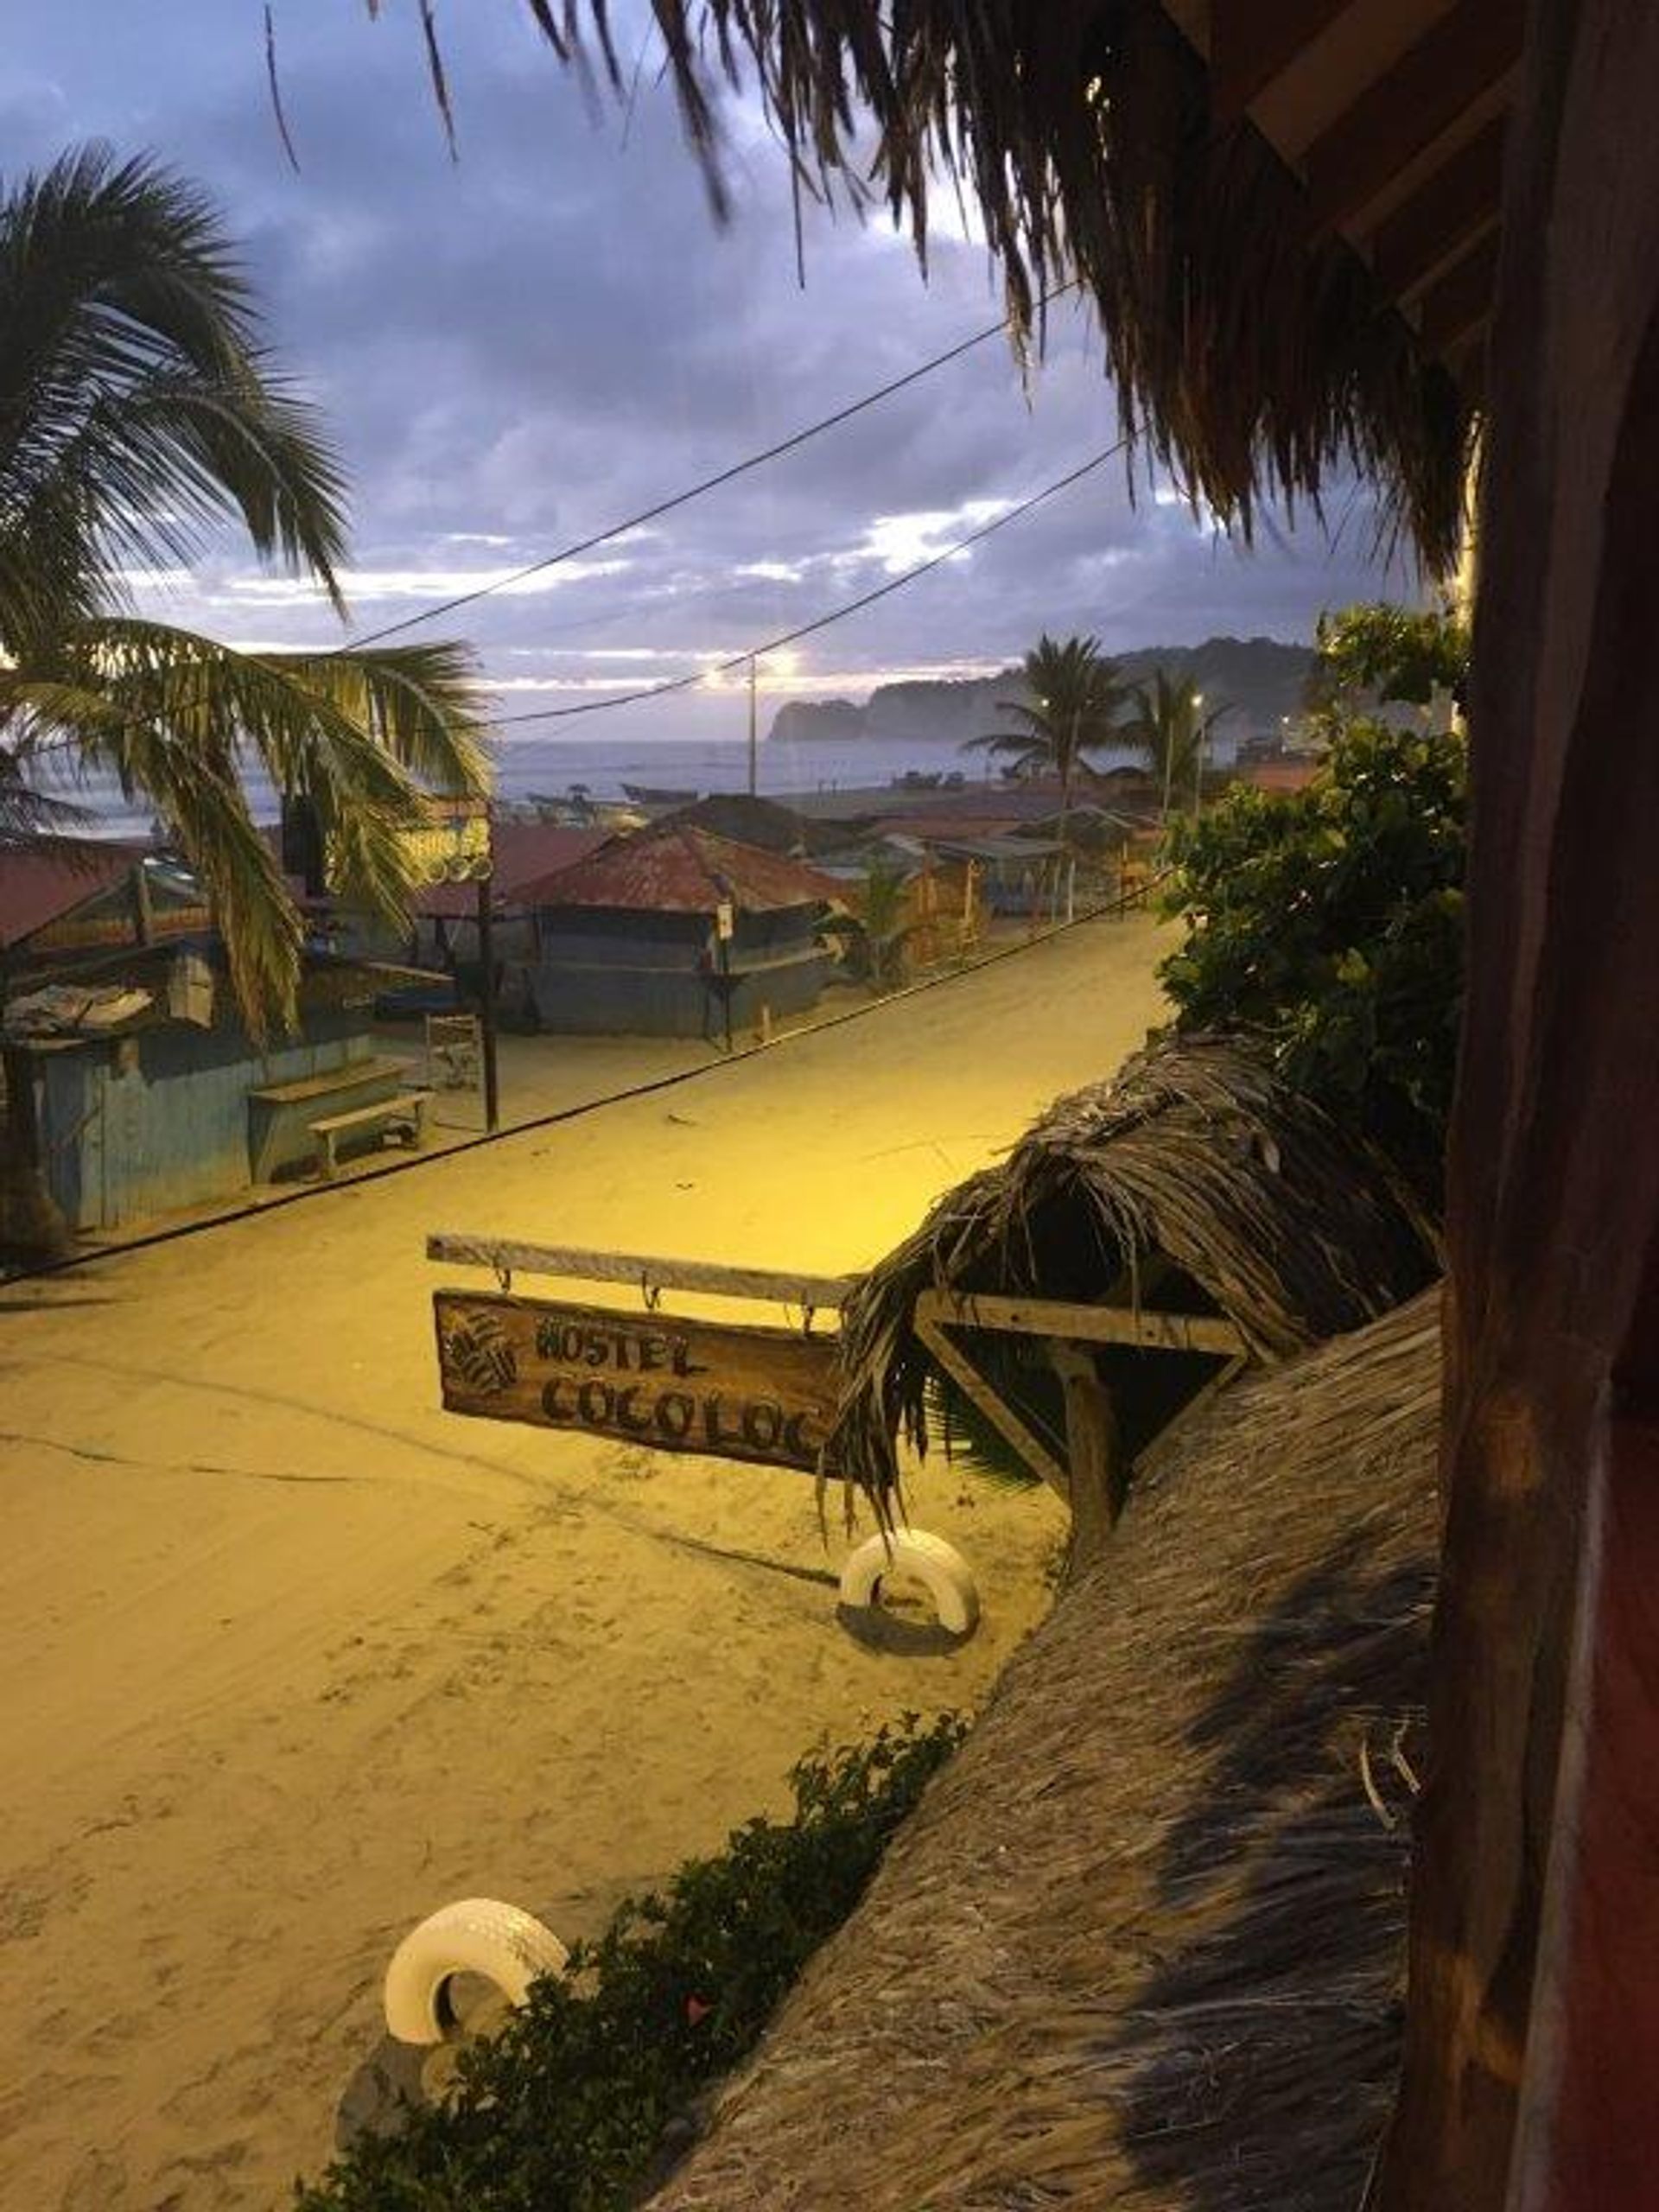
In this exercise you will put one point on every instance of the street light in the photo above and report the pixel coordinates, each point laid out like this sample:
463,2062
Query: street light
1198,735
782,664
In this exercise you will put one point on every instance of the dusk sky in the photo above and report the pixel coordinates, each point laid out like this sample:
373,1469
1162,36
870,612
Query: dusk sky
519,348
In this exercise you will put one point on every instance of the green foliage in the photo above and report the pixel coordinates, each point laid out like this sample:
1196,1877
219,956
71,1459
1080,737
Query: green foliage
1331,920
1167,731
566,2111
1075,700
1395,654
139,416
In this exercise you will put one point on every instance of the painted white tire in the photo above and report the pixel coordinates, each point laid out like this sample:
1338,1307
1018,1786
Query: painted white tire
940,1566
475,1935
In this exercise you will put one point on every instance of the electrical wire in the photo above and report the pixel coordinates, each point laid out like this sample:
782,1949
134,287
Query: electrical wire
707,484
822,621
417,1162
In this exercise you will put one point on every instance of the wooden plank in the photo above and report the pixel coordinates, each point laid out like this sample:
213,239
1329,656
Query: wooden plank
1461,300
348,1077
1252,41
823,1294
1409,106
658,1381
930,1327
1107,1324
1449,208
1093,1450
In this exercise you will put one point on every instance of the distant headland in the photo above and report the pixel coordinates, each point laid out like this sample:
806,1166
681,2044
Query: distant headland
1263,678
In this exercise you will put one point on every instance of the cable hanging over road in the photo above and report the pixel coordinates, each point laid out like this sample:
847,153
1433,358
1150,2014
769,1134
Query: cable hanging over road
737,660
728,475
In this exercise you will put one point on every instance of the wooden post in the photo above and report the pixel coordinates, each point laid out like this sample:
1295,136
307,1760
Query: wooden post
1094,1453
486,1026
1532,2030
142,920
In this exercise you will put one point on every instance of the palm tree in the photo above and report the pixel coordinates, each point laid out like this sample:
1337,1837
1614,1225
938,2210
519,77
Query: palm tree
1072,710
1167,731
138,414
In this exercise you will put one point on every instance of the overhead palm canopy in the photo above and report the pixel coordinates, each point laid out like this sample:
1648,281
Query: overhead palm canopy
1074,698
139,416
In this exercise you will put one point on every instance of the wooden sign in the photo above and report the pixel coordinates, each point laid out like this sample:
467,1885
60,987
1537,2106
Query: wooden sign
656,1379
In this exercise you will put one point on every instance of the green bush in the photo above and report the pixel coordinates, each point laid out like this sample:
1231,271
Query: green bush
1331,920
570,2108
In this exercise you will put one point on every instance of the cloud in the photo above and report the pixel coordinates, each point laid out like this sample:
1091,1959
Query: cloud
516,351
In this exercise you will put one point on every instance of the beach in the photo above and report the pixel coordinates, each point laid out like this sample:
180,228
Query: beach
294,1657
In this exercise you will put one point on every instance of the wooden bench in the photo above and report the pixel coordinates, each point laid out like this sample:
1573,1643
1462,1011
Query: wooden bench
280,1113
407,1115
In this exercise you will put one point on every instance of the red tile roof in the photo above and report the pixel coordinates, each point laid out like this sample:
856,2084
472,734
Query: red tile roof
675,868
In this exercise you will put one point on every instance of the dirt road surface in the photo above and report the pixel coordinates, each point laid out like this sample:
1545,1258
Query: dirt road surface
291,1656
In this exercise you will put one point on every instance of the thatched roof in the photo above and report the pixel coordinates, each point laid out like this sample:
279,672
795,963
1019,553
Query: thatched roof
1141,1947
1289,245
1194,1181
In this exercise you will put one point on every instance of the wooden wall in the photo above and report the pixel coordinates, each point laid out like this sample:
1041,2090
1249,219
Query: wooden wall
1532,2070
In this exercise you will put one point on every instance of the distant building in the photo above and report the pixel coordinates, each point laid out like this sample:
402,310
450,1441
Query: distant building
674,932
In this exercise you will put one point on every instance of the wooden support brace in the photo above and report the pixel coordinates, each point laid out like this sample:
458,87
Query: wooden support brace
1102,1324
1094,1449
823,1294
929,1322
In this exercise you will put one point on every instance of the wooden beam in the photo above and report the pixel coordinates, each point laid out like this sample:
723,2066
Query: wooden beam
1449,208
1409,106
1457,302
1101,1325
1094,1453
1252,41
647,1272
930,1326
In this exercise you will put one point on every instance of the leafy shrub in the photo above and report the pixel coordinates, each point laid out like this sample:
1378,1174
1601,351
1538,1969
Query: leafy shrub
1331,920
570,2108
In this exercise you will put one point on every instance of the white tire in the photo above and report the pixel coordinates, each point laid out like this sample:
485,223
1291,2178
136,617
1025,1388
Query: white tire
940,1566
476,1935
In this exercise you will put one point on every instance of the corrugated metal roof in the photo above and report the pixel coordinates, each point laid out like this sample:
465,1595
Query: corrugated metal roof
39,884
675,868
523,852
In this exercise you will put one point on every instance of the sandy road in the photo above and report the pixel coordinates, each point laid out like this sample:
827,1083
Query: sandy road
291,1656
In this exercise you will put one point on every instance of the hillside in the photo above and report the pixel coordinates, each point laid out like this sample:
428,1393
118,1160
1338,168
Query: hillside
1262,677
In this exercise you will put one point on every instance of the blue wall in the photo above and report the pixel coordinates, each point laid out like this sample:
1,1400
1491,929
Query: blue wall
648,974
174,1130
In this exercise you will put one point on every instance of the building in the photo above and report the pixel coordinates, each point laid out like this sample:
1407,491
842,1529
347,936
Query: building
674,932
133,1085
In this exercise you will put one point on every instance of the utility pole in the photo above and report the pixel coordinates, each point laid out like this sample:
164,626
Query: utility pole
755,741
486,998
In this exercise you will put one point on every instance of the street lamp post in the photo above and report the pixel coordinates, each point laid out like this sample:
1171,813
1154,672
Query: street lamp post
1199,734
754,740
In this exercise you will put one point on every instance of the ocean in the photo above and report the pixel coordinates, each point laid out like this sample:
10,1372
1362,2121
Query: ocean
551,766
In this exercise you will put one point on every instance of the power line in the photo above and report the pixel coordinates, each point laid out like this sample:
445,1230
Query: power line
695,491
822,621
785,638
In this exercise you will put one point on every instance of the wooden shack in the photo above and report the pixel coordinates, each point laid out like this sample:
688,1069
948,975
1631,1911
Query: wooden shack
673,931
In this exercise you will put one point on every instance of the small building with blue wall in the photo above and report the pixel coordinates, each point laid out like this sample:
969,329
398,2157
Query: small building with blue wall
673,931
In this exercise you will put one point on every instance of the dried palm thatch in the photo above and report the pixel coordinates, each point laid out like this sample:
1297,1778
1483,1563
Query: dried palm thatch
1249,350
1142,1946
1195,1180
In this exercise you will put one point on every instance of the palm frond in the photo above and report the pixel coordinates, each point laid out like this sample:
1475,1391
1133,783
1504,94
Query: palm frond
357,734
137,406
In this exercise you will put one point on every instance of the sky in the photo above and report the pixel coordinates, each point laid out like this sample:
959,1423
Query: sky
525,344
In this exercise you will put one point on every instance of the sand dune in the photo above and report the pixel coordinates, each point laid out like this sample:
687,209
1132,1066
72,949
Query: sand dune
292,1657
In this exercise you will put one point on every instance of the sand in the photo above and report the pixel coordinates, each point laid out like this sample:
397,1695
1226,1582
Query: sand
292,1657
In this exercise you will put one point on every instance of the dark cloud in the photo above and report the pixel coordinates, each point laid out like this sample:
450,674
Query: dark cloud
520,348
